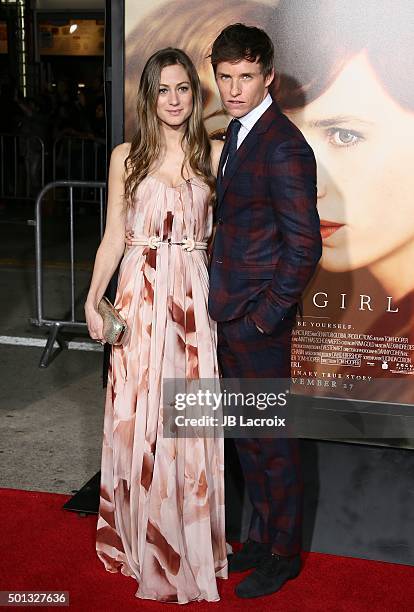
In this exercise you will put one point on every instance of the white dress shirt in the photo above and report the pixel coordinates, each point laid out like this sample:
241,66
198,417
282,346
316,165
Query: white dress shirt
249,120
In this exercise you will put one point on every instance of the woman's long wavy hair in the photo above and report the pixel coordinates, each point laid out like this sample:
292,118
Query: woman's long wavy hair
146,143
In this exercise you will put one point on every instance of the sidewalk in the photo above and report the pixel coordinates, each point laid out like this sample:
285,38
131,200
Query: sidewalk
50,419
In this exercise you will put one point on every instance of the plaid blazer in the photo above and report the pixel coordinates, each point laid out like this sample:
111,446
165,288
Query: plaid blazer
267,240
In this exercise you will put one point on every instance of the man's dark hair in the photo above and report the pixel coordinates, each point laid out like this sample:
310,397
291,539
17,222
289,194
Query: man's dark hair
240,42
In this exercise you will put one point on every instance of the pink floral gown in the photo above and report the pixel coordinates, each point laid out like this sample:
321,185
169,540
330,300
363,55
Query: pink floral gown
161,514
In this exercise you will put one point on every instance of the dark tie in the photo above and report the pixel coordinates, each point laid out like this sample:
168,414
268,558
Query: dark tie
234,129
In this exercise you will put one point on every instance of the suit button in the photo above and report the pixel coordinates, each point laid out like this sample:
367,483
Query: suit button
219,261
220,221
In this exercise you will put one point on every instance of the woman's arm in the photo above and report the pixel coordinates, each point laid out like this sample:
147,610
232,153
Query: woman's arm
216,149
112,245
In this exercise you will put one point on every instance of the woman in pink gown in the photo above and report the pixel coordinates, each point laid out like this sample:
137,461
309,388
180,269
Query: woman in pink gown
161,515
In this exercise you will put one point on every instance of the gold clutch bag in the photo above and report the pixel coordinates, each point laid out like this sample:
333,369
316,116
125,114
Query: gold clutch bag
114,326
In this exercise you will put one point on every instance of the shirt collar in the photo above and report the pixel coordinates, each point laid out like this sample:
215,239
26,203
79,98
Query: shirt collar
251,118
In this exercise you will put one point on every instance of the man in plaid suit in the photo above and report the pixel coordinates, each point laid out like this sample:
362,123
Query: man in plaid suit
266,248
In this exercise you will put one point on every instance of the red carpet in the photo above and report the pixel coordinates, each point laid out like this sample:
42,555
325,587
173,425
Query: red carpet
45,547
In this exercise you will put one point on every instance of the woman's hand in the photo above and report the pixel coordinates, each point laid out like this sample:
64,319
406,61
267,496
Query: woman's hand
94,322
129,234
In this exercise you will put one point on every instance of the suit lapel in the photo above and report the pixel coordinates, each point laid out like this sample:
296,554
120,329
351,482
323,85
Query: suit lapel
251,140
248,143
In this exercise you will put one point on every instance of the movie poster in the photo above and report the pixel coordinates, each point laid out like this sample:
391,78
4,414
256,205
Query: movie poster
344,77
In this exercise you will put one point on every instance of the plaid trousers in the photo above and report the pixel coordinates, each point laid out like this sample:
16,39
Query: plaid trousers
271,467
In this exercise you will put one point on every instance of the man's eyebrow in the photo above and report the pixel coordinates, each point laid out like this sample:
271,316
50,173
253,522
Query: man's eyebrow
337,120
226,74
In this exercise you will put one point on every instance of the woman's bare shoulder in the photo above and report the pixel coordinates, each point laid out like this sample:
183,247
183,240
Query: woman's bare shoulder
216,146
118,156
216,149
121,151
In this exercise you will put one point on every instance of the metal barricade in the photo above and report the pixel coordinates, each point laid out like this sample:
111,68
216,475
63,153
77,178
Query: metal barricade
56,326
75,158
22,166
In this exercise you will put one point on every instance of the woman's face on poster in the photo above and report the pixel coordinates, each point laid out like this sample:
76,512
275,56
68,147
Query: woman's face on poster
363,142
